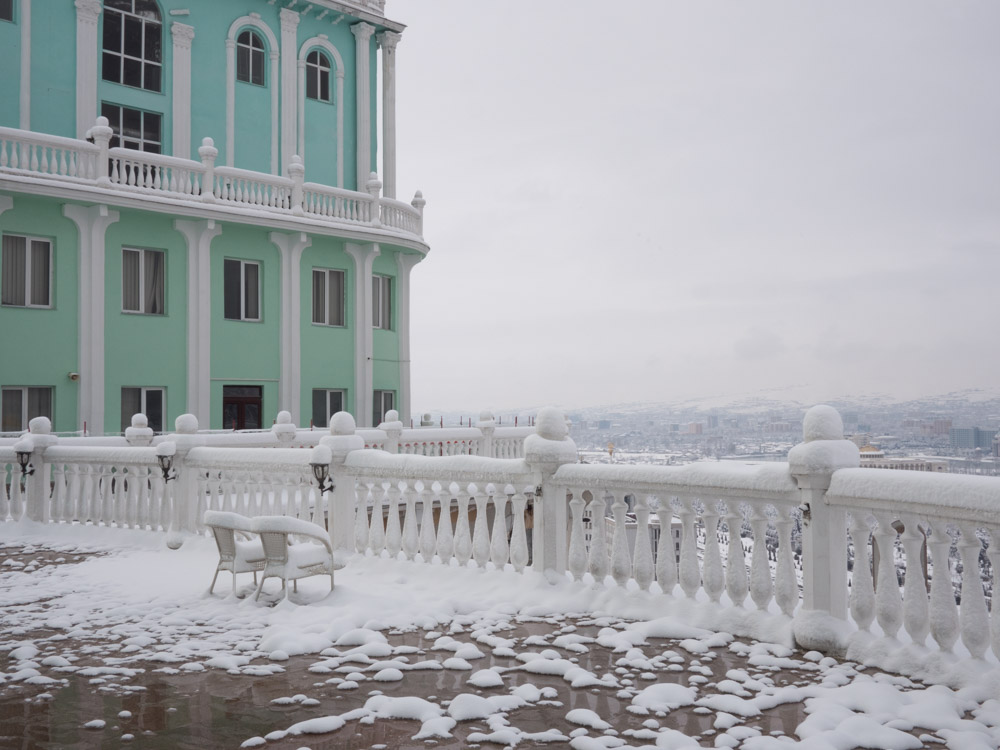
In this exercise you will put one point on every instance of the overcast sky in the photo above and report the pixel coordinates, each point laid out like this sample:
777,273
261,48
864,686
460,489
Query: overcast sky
661,200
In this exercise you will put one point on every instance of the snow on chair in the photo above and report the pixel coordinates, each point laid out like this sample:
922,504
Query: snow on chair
234,555
289,561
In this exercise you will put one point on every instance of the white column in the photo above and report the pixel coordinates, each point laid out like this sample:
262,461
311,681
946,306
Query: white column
182,35
92,223
340,127
230,101
291,247
362,35
289,87
364,256
87,13
275,165
199,236
25,100
388,40
404,264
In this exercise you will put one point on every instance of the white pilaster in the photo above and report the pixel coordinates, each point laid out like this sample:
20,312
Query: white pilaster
182,35
275,163
291,247
92,223
362,36
388,41
404,264
87,13
364,257
289,87
199,236
25,99
230,101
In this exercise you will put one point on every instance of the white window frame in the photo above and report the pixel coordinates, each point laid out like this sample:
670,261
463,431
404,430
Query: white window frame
330,274
142,280
143,60
315,64
243,287
379,403
253,52
329,412
24,402
143,390
382,302
27,270
119,139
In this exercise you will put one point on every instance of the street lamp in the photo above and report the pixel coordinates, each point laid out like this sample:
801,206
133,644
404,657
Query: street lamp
319,460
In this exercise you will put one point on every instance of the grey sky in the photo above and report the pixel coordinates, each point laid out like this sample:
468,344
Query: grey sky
661,200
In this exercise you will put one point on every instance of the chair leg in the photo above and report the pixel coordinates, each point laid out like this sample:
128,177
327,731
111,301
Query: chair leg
259,588
234,583
213,580
331,581
295,585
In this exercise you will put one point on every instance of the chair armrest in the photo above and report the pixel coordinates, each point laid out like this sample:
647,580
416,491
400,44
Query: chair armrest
289,525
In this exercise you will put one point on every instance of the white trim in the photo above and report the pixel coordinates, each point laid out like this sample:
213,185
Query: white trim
24,400
182,35
199,236
92,223
404,265
388,40
364,256
87,13
328,273
338,98
251,20
6,203
291,247
362,51
289,93
141,292
25,98
28,239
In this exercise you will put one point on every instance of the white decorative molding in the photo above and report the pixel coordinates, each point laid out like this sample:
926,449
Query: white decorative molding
272,44
182,35
6,203
388,41
289,88
338,101
199,236
291,247
87,13
404,264
364,257
25,98
362,35
92,223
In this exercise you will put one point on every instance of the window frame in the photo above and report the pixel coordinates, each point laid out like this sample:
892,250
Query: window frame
315,67
141,295
328,392
378,400
329,274
243,297
28,240
121,56
126,420
119,140
251,51
25,390
382,302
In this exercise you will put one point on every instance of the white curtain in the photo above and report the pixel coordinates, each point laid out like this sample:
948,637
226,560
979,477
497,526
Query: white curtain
336,298
40,258
130,280
13,270
153,277
319,297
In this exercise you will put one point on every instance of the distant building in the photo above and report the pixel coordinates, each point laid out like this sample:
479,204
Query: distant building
713,422
873,458
970,438
604,424
695,428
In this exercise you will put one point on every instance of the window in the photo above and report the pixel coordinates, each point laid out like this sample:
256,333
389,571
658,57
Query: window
26,271
142,281
21,405
384,401
148,401
242,289
382,302
328,297
133,128
242,406
133,44
6,10
318,76
325,403
250,58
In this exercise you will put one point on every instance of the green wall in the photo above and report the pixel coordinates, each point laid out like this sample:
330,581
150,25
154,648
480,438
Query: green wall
385,343
10,42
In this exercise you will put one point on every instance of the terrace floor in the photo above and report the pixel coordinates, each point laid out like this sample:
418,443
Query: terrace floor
107,636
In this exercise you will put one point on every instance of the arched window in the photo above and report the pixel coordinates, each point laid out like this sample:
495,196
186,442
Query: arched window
318,76
133,48
250,58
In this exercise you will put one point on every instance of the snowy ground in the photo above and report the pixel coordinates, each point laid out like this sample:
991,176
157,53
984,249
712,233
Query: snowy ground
412,655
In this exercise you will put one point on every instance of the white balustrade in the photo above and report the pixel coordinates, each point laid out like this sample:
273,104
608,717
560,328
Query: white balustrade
242,187
47,155
128,168
336,203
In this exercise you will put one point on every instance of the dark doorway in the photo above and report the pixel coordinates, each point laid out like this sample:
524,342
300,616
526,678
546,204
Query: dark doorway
241,407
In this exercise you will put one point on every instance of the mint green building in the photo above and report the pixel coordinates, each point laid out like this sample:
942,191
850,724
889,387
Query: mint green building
191,215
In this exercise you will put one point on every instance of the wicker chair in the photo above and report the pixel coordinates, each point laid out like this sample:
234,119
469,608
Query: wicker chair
234,555
289,561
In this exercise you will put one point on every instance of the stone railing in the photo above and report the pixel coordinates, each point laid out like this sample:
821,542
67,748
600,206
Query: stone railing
813,527
94,164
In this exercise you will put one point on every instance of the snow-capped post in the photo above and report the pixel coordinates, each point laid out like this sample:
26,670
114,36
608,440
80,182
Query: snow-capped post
139,434
101,134
36,483
283,429
208,153
374,187
184,490
297,172
393,430
821,623
487,426
342,440
544,452
418,203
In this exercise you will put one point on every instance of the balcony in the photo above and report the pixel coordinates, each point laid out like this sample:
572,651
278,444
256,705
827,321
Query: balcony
93,171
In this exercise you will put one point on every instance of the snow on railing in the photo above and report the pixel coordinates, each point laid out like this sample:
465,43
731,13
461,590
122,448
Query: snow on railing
50,155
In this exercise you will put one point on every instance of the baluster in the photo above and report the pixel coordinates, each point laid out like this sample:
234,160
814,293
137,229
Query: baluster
993,553
212,488
597,564
666,556
463,539
481,531
410,524
61,166
499,549
75,494
34,156
786,585
944,612
107,494
131,490
118,479
393,536
915,617
15,161
44,166
642,555
3,163
376,538
974,618
761,586
621,565
519,537
888,603
427,537
713,579
736,567
147,501
4,497
577,560
445,538
58,493
862,592
363,494
16,498
91,500
690,578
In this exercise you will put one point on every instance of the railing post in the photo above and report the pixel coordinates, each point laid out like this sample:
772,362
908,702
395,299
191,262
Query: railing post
184,489
418,203
297,173
393,429
102,133
821,623
36,485
487,426
139,434
342,440
208,153
544,452
283,429
374,187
